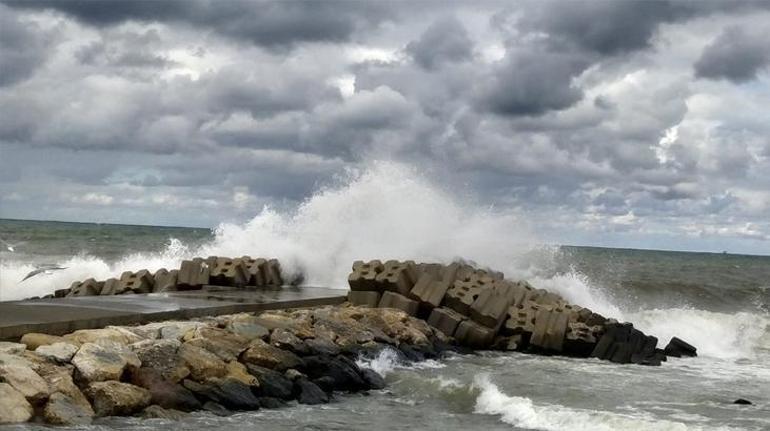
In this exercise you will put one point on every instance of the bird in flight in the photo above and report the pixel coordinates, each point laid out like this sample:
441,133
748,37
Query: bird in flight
43,269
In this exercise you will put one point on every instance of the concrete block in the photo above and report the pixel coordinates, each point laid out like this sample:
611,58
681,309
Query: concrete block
193,274
508,343
229,272
490,308
429,291
273,275
256,271
165,280
61,293
581,339
445,320
471,334
544,297
613,334
678,348
462,294
520,321
88,287
395,278
135,282
364,298
550,329
111,287
364,275
394,300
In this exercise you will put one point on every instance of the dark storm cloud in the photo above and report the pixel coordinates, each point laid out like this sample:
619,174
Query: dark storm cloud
267,23
444,40
532,82
736,54
22,48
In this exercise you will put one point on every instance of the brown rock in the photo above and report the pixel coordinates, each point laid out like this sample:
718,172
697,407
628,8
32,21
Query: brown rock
113,398
264,355
14,408
202,363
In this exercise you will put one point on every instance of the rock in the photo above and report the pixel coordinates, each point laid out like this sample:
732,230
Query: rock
131,358
216,409
34,340
158,412
301,326
114,333
58,352
96,363
283,339
743,402
226,345
247,326
344,372
264,355
373,379
238,371
230,393
26,381
293,374
177,330
117,399
62,409
12,348
309,393
271,383
163,392
321,346
678,348
161,355
271,403
14,408
326,383
202,363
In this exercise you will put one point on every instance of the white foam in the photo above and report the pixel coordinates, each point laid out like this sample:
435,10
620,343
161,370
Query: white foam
384,363
523,412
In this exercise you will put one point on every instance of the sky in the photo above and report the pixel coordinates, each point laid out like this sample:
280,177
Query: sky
614,123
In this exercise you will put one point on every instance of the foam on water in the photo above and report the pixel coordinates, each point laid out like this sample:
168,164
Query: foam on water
523,412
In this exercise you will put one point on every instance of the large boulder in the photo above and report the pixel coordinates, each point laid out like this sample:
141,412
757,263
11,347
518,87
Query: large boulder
161,355
286,340
238,371
264,355
33,340
117,399
25,380
202,363
177,330
226,345
247,326
230,393
58,352
114,333
272,384
96,363
344,372
62,409
12,348
14,408
309,393
163,392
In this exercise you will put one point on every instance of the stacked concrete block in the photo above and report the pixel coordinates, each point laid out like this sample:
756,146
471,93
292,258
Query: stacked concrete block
256,269
165,280
396,277
521,321
193,274
228,272
622,343
273,275
364,275
87,287
364,298
491,307
678,348
429,291
550,329
445,320
462,294
471,334
394,300
135,282
111,287
581,339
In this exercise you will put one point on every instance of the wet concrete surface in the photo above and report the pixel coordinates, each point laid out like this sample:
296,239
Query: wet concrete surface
63,315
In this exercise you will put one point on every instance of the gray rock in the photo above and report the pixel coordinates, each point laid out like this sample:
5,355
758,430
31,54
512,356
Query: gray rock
58,352
161,355
14,408
309,393
12,348
284,339
96,363
64,410
248,327
231,393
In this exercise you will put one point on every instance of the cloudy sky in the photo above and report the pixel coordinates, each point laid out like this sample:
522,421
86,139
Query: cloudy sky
640,124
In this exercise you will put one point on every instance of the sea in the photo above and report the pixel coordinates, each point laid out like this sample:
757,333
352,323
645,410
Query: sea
718,302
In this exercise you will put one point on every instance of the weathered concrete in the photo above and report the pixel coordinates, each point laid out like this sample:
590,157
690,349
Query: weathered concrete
64,315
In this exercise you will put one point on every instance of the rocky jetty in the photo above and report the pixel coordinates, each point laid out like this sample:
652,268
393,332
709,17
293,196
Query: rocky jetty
248,361
221,364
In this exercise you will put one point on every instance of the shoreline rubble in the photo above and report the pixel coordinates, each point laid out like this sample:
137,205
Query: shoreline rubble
248,361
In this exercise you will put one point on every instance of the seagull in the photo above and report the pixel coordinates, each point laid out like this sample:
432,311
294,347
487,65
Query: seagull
10,247
44,269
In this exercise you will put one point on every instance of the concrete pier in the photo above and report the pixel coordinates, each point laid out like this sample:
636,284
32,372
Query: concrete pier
58,316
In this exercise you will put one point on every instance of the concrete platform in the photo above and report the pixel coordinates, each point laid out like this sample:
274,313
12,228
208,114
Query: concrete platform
63,315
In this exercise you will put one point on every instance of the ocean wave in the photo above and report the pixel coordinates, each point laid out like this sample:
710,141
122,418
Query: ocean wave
523,412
